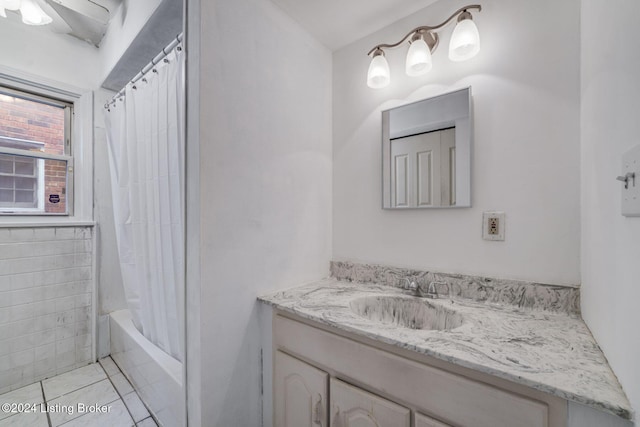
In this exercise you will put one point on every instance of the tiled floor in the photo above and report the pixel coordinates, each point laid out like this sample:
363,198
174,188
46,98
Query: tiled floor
96,395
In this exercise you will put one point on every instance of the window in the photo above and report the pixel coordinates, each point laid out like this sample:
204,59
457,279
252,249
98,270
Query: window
35,154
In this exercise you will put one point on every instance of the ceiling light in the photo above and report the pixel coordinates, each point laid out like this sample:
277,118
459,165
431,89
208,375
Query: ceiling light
465,44
32,13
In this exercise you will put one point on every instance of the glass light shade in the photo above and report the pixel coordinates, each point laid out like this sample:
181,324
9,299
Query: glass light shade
418,58
465,41
378,75
10,4
32,13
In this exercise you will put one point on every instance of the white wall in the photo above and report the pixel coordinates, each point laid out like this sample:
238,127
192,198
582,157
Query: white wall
610,126
57,57
525,84
265,192
123,29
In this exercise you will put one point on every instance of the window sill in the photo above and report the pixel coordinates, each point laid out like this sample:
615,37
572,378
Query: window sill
48,222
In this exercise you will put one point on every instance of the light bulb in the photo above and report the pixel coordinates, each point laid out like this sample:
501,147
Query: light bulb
418,58
32,13
378,75
10,4
465,41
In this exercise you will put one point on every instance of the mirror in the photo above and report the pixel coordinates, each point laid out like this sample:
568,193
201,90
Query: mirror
426,153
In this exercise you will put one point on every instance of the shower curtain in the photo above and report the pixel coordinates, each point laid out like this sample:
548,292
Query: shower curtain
145,134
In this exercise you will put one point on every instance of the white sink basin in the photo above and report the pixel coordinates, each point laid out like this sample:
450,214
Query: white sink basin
406,312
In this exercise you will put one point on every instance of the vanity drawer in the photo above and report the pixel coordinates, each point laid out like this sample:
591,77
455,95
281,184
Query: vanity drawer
451,398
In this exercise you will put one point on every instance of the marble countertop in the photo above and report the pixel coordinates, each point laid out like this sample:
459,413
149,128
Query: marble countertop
551,352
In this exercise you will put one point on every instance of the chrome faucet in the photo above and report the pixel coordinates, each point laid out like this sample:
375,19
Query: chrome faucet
432,290
411,286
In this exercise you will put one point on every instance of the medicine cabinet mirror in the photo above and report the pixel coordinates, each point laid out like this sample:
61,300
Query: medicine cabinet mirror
426,153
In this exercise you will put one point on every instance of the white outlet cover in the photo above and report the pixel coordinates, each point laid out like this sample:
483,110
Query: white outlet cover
486,216
631,195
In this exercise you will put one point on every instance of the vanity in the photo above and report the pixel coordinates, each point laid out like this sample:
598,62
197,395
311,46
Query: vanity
387,347
358,349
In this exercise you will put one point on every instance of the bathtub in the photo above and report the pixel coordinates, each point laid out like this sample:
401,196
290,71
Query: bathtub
156,376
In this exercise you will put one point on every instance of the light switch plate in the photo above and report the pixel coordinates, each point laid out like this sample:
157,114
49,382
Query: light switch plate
631,195
493,225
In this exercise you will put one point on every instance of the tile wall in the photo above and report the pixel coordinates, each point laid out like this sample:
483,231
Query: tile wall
46,284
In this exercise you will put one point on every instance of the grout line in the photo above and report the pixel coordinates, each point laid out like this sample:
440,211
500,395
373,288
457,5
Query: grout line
75,389
45,403
134,391
46,270
118,391
88,385
84,386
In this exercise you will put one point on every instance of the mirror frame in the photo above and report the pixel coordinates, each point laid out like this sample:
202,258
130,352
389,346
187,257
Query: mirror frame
451,109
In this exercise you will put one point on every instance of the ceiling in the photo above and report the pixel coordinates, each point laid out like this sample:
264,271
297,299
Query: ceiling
86,20
337,23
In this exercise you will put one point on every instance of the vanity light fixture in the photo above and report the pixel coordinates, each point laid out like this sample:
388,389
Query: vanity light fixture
465,44
32,13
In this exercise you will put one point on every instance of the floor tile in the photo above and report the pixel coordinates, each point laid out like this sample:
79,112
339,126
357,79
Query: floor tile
73,380
109,366
100,393
135,406
147,422
117,416
29,394
26,419
122,384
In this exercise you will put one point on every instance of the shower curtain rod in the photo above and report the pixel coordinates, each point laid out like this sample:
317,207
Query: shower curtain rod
147,68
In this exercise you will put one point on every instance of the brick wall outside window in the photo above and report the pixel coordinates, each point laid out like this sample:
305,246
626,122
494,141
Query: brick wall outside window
34,121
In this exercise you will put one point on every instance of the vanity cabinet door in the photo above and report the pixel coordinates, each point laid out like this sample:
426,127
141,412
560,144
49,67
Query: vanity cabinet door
300,393
424,421
353,407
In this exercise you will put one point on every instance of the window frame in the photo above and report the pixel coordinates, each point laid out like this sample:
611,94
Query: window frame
80,186
67,157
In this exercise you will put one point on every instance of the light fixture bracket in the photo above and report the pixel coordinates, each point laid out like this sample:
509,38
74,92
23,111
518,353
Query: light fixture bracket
462,12
423,41
430,38
464,15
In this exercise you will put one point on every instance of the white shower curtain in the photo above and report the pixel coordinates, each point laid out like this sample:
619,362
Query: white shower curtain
145,132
